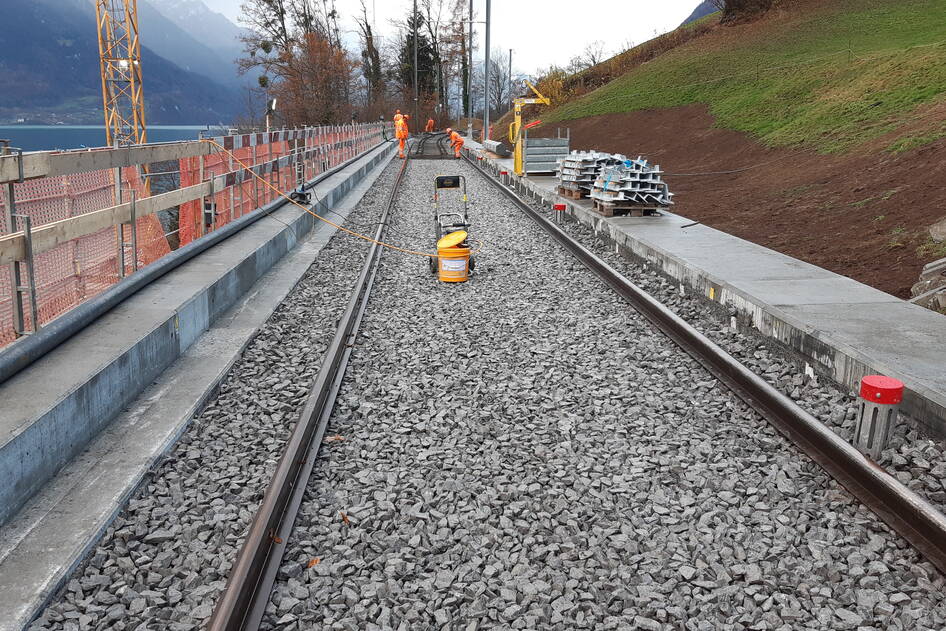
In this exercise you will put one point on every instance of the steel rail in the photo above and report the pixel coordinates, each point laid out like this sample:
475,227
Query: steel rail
909,515
420,145
242,604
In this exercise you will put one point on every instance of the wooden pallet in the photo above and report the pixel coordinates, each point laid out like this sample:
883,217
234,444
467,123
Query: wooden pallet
612,209
572,193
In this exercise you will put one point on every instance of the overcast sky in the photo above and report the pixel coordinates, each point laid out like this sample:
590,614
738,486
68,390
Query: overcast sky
540,32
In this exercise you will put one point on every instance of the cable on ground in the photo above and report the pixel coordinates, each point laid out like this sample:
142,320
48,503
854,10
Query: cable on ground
358,235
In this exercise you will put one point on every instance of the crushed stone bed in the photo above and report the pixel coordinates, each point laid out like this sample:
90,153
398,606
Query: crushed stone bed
524,451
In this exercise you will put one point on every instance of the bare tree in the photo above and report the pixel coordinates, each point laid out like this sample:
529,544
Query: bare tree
296,44
594,54
370,59
434,21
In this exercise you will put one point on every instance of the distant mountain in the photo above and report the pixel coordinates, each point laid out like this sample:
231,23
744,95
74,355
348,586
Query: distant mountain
206,28
705,8
49,69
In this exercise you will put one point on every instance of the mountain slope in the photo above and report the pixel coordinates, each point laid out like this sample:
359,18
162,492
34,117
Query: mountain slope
791,79
705,8
50,71
207,28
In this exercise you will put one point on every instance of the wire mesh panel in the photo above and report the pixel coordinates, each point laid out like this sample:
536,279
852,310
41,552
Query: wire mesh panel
74,271
70,273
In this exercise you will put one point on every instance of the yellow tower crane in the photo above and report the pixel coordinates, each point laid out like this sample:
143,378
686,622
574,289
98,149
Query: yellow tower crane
515,127
120,55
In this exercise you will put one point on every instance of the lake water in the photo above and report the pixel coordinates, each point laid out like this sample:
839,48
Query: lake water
45,137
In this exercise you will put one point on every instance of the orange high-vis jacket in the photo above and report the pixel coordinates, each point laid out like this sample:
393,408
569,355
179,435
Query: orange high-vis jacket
400,130
430,124
456,139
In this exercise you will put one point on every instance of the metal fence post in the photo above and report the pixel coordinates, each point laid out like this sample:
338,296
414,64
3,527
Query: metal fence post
255,182
230,170
30,276
134,231
19,322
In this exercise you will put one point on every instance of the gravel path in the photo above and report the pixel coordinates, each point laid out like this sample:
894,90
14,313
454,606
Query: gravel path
165,559
523,451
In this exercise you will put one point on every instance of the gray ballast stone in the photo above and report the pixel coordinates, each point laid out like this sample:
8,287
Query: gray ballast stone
524,451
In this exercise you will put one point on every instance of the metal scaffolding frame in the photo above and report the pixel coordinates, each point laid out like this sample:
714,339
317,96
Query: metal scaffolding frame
120,54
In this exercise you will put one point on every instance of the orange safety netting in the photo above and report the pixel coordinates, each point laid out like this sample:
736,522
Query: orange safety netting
283,158
72,272
77,270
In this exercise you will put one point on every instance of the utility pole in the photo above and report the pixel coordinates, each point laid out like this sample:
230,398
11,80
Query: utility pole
416,87
469,81
510,78
486,79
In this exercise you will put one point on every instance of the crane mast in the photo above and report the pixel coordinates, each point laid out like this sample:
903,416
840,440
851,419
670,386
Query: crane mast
120,55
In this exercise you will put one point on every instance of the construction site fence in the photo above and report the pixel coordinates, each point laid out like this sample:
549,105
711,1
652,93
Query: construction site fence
59,277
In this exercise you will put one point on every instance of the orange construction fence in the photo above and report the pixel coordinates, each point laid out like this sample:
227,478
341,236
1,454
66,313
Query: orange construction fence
77,270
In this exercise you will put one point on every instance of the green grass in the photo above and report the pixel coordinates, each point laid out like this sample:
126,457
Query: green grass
931,250
908,143
771,87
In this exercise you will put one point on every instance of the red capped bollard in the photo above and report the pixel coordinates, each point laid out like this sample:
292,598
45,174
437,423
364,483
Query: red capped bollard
558,209
880,400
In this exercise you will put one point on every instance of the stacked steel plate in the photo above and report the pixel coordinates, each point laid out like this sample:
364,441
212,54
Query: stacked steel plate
578,170
632,184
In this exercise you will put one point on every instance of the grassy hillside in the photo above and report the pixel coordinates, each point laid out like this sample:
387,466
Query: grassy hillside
827,75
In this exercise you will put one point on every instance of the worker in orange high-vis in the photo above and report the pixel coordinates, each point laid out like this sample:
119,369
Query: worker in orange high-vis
401,132
430,125
456,141
398,116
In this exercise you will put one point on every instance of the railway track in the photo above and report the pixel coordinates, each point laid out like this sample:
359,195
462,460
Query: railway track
905,512
421,149
582,473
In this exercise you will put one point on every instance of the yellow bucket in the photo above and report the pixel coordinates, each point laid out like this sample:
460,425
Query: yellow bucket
453,261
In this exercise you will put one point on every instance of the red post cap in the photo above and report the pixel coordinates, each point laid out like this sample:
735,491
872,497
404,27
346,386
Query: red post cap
504,172
883,390
559,207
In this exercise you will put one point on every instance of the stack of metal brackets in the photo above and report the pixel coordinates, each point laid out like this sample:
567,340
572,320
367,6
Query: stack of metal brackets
632,184
578,170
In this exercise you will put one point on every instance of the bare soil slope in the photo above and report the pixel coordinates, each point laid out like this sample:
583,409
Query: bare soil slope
863,214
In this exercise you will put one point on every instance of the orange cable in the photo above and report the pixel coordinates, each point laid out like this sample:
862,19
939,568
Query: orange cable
317,216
